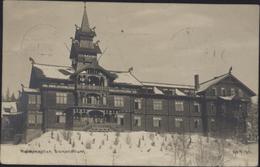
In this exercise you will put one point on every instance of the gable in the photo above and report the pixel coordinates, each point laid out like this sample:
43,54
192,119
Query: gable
227,80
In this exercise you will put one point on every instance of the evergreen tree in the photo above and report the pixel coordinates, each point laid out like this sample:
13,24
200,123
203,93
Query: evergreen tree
13,97
7,95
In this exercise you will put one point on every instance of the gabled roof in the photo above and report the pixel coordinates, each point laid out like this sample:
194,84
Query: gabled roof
207,84
52,71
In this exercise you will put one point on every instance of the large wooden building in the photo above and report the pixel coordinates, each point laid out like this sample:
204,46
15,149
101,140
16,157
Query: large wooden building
85,96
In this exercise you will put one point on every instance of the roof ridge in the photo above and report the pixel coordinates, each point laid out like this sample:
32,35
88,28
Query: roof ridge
166,83
118,71
214,78
136,78
53,65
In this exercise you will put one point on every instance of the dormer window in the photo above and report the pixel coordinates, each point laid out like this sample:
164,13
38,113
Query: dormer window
223,91
232,91
214,91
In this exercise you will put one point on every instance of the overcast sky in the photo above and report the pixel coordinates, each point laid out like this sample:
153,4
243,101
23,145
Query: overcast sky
163,42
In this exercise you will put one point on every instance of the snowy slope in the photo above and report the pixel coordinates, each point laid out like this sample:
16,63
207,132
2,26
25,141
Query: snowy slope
132,148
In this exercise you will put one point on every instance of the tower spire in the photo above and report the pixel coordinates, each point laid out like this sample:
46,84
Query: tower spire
85,23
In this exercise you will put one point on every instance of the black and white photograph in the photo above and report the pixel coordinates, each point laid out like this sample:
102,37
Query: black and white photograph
130,84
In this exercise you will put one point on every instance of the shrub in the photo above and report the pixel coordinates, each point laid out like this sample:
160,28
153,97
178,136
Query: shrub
52,135
79,136
116,141
128,139
117,134
88,145
139,143
58,137
151,136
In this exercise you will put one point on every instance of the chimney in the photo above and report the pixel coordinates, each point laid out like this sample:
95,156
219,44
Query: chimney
196,82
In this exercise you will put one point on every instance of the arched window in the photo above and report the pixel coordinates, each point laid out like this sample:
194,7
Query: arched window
93,80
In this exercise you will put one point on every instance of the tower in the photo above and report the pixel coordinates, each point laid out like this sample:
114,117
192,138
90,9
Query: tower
83,50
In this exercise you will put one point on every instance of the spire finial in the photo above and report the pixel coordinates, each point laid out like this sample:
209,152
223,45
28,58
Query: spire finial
230,69
84,5
84,23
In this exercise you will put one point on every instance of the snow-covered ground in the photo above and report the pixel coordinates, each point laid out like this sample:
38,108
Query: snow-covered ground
132,148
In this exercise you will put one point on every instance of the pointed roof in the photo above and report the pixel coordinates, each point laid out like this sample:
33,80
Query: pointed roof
85,23
207,84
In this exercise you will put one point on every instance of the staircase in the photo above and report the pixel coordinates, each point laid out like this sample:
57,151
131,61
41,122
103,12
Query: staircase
101,127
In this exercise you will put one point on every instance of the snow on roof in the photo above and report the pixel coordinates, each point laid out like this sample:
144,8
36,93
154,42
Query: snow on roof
30,90
180,93
168,85
11,106
207,84
126,77
227,97
157,91
54,72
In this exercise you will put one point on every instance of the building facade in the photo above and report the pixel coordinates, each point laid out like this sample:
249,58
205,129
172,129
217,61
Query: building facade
85,96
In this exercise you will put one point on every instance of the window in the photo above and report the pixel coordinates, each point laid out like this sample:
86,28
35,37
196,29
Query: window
138,103
137,121
196,123
34,99
157,122
119,101
86,44
104,100
39,119
7,110
120,119
31,119
240,93
179,106
196,107
212,107
214,91
60,117
61,98
223,108
223,91
178,122
212,124
232,91
157,104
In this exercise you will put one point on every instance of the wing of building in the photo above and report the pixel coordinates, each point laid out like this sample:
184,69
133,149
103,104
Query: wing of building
86,96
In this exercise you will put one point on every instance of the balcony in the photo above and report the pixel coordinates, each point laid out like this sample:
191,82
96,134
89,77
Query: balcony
90,87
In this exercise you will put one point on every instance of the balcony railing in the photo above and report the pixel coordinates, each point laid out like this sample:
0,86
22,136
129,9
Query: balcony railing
90,87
